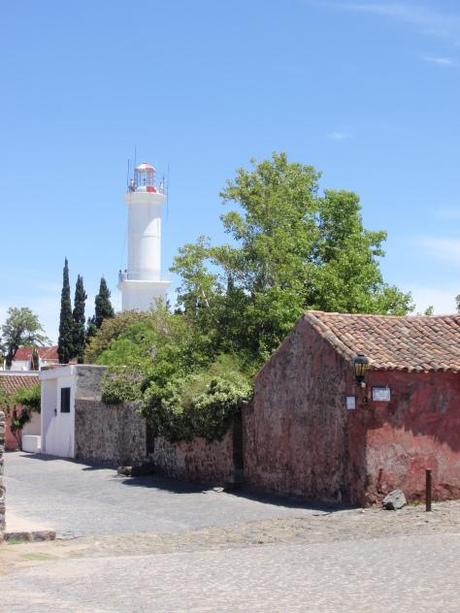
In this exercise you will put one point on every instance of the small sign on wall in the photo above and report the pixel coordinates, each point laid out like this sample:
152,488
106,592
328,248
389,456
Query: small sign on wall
351,403
381,394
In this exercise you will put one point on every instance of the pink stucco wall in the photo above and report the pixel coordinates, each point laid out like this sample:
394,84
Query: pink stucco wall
418,429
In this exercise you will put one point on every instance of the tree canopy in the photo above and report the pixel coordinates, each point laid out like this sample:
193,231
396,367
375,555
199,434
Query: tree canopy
22,328
291,249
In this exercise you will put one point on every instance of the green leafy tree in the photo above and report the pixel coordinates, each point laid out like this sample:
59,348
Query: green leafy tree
429,311
78,315
103,306
66,323
22,328
291,249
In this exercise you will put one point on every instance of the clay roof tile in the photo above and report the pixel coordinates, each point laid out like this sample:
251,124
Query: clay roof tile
413,343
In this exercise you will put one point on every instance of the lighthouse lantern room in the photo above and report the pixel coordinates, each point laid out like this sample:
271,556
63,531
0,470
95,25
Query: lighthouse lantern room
141,284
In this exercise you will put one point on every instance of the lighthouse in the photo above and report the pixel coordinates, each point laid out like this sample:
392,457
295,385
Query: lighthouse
141,284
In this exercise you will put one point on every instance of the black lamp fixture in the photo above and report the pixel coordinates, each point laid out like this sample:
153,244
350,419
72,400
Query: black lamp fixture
360,368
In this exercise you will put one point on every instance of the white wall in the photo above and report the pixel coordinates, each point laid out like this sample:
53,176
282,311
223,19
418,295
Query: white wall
58,429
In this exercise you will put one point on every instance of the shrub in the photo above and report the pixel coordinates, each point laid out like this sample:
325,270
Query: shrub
121,385
200,404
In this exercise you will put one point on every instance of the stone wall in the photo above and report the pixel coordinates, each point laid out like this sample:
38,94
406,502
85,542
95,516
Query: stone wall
296,432
88,381
196,460
300,439
117,436
2,485
109,435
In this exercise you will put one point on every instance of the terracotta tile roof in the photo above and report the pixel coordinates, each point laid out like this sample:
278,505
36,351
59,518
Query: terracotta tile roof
45,353
414,343
11,381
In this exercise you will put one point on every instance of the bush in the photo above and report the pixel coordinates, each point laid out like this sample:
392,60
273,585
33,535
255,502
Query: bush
121,385
200,404
29,397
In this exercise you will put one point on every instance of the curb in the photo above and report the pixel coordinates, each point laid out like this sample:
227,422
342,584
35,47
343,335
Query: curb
30,536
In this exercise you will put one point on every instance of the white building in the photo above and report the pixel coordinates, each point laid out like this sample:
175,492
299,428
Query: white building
141,284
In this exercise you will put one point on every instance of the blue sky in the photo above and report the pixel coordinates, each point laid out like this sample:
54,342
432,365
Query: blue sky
368,92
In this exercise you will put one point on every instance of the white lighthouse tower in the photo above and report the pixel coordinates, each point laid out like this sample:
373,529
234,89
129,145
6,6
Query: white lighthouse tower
140,284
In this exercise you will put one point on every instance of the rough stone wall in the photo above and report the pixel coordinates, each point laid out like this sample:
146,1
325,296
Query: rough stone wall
418,429
196,460
297,435
109,435
117,435
2,485
88,381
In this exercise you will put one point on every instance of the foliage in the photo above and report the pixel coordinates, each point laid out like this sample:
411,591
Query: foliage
110,330
29,397
78,316
19,407
429,310
121,385
103,306
66,325
292,249
91,330
21,329
200,404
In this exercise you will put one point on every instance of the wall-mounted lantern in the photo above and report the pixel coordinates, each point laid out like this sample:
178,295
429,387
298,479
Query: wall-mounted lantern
360,368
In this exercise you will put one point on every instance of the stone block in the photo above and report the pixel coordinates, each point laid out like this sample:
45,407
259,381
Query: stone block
394,500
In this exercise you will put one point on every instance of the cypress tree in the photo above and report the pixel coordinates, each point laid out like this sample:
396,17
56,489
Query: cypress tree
65,342
103,305
91,328
79,320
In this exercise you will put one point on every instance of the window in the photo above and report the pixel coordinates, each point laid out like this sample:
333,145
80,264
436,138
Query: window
65,399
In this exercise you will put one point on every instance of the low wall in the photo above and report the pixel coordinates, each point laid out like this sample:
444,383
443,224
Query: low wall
109,435
196,460
2,485
118,436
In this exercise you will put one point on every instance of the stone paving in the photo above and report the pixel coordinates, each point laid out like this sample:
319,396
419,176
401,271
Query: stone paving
76,499
263,557
393,574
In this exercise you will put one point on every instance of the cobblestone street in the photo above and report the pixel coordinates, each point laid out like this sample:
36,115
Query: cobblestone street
403,573
258,557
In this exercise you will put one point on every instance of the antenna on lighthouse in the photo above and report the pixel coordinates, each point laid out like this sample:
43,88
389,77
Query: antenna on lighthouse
166,182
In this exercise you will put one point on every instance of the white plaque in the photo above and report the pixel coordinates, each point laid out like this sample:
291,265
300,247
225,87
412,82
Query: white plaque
351,403
381,394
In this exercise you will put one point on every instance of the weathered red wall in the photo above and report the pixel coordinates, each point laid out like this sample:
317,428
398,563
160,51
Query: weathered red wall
300,439
296,432
418,429
196,460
